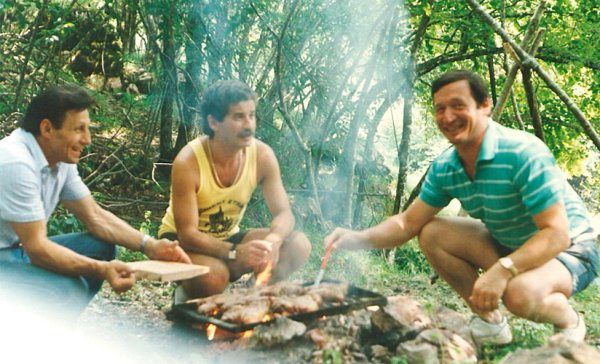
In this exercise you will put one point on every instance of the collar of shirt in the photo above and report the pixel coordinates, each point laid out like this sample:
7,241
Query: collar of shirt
34,148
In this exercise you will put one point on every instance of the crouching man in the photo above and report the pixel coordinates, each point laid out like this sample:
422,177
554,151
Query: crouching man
213,178
37,171
530,232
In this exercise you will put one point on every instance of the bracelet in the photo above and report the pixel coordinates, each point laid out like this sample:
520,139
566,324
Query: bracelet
143,243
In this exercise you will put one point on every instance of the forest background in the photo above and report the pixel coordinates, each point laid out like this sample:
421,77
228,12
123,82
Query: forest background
344,99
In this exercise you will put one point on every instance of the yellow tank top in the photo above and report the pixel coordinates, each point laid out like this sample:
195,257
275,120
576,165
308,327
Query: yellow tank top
220,210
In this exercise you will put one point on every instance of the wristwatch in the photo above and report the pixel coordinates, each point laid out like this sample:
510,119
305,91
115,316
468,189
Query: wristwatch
232,253
508,264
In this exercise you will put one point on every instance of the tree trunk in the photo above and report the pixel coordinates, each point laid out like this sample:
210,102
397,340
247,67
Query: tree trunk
529,61
169,79
533,104
528,39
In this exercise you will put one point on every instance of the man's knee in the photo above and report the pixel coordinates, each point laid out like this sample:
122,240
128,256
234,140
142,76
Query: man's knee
300,247
213,282
522,297
428,236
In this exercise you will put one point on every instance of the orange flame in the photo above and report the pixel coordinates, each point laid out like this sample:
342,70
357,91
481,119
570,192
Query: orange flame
211,331
262,278
247,334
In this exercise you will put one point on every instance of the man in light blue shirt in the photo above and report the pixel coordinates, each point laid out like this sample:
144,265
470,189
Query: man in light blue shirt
37,171
528,229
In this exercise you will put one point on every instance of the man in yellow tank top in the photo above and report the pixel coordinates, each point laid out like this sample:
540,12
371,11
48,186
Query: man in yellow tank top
213,178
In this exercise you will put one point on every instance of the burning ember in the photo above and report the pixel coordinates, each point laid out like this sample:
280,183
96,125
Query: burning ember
211,330
263,278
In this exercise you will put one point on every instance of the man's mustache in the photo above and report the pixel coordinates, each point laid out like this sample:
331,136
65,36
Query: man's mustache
246,133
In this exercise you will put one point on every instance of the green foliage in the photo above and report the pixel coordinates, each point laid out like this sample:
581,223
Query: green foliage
63,222
332,356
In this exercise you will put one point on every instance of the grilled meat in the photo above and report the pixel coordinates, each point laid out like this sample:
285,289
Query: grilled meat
248,313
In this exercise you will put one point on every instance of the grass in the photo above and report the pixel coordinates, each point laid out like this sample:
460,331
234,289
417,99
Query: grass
409,275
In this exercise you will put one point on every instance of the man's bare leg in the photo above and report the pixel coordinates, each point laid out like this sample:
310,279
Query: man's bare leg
211,283
457,247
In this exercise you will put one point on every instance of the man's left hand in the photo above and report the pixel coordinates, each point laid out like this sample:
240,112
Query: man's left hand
489,289
165,249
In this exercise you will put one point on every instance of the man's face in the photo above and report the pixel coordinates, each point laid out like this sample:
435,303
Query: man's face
239,125
457,115
69,141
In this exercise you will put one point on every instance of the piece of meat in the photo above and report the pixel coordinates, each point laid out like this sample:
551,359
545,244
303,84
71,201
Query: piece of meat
297,304
250,313
330,292
283,289
207,308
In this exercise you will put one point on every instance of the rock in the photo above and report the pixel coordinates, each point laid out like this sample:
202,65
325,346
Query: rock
558,350
113,83
318,337
418,352
380,352
447,344
132,89
445,318
280,331
400,314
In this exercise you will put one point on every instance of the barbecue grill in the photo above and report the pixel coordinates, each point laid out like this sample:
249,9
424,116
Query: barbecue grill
355,299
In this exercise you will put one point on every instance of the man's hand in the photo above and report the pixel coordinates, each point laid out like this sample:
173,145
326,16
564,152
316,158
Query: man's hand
165,249
255,254
489,288
119,276
346,239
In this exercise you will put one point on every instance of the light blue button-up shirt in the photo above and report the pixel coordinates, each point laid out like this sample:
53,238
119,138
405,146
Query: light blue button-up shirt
29,188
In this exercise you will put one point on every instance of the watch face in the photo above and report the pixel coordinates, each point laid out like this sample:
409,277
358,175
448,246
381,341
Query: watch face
232,254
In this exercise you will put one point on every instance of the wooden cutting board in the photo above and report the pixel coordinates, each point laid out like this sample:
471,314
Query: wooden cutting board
161,271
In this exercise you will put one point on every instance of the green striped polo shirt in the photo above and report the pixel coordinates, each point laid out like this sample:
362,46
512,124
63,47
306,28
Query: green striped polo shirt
516,177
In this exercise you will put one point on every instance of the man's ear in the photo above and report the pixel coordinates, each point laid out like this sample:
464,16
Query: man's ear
46,128
212,122
487,106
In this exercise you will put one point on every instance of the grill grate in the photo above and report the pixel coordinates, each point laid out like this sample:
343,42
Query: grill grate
356,299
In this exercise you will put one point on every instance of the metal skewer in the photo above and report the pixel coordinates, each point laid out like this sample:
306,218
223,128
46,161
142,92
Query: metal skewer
323,265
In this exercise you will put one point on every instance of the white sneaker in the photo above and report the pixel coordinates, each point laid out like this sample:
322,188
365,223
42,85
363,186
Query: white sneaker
577,333
484,332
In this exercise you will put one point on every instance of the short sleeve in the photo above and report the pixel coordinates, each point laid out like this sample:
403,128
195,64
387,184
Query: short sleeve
21,199
538,179
432,192
74,188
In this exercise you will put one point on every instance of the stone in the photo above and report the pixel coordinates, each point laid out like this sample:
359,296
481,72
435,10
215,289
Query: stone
558,350
400,312
448,345
445,318
418,352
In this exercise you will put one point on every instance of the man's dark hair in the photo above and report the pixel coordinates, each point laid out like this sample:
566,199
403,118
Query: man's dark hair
53,104
478,86
219,97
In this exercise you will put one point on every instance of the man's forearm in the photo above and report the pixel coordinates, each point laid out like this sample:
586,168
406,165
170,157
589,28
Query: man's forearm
390,233
59,259
110,228
281,227
545,245
201,243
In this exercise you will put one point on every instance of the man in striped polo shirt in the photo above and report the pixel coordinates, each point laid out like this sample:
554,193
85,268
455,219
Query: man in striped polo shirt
528,230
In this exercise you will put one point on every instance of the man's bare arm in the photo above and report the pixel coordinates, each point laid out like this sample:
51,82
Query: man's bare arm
392,232
108,227
269,176
551,239
51,256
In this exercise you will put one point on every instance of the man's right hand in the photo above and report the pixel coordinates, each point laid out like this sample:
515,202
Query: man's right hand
254,254
346,239
120,277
